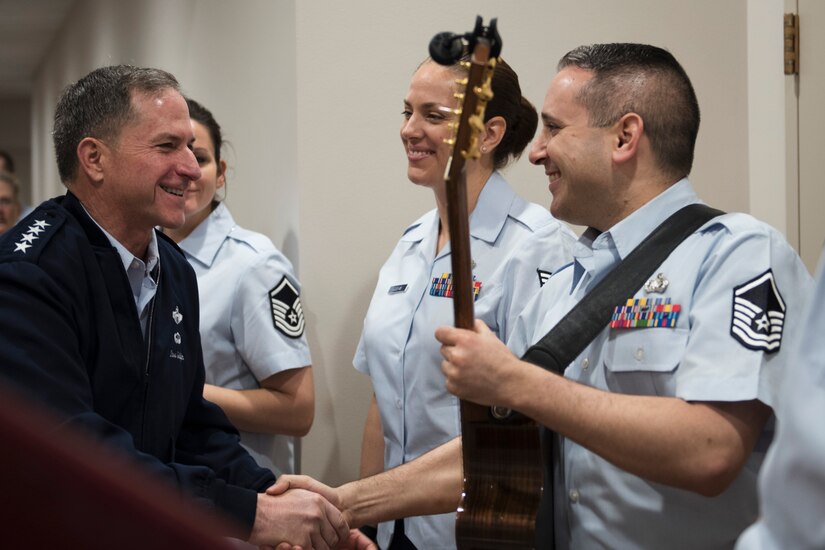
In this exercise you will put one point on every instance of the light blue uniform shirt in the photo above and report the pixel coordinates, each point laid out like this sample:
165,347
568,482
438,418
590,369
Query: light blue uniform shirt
725,277
511,242
237,271
792,481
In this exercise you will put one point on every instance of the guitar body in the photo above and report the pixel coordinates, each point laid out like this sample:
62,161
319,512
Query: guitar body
501,453
502,481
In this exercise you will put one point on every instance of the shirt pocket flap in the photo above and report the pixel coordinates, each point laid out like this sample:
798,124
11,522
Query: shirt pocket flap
648,350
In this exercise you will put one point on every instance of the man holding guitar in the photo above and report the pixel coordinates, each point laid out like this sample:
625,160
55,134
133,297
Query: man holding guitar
664,418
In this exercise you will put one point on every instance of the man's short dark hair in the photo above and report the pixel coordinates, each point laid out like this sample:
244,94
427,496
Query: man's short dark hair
648,81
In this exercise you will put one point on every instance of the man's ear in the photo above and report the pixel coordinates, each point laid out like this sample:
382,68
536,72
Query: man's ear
629,131
90,156
494,130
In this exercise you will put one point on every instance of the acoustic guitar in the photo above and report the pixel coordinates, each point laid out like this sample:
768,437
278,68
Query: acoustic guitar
501,451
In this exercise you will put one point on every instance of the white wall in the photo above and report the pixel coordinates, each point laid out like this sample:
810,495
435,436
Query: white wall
310,94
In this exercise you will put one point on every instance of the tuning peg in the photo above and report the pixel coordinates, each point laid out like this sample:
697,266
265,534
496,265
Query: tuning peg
484,93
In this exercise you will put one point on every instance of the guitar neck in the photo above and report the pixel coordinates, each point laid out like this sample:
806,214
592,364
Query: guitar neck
457,212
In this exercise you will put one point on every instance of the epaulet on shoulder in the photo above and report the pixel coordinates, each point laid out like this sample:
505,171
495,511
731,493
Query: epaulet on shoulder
423,220
164,237
411,228
30,236
532,215
728,221
258,241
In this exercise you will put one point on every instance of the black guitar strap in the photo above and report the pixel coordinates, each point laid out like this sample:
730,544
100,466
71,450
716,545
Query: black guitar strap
568,338
574,332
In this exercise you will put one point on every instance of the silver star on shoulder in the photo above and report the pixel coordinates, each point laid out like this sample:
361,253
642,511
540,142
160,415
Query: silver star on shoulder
36,229
21,247
28,237
42,224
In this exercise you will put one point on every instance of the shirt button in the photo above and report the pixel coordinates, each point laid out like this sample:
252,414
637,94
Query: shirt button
585,363
640,354
398,404
574,495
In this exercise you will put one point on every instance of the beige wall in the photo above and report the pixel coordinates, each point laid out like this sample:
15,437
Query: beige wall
310,93
15,135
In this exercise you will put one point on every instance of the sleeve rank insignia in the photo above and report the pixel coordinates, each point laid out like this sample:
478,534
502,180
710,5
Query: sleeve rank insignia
758,315
287,311
543,276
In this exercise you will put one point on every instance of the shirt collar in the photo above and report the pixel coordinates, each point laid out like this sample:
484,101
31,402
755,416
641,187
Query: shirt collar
126,257
487,218
204,242
628,233
596,249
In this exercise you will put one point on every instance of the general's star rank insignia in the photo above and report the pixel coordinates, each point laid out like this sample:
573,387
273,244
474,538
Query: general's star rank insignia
28,238
287,312
758,315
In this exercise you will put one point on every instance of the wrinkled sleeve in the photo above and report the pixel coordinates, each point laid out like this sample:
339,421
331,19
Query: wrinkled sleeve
267,317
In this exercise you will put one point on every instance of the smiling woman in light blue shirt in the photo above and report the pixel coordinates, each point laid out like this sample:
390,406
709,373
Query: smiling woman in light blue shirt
515,245
252,324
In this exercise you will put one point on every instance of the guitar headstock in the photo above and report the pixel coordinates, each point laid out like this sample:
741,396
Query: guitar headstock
477,51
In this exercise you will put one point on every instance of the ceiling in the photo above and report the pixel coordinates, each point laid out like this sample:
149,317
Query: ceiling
27,29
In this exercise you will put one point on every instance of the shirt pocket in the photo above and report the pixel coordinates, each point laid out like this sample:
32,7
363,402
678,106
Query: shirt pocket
644,361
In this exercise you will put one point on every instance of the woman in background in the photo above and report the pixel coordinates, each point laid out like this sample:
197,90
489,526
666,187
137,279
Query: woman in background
515,245
252,324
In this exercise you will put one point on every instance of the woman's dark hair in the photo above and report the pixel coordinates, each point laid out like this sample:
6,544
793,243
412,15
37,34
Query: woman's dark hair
508,103
199,113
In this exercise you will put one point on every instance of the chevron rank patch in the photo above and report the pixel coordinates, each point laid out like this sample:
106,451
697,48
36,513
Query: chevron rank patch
443,286
646,313
758,315
543,276
287,312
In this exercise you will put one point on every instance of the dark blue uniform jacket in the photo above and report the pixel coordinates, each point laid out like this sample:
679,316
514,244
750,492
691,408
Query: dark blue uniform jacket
71,338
